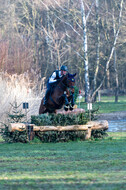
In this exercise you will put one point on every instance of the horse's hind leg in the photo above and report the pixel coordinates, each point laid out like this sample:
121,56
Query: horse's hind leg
55,111
42,108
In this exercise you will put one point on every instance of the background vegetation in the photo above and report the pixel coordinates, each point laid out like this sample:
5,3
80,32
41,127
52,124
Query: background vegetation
106,105
39,36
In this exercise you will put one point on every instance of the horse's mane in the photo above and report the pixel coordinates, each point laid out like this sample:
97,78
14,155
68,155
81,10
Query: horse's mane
67,79
69,76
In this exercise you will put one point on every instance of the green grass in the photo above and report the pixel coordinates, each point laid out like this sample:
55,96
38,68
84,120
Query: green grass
107,104
93,165
79,165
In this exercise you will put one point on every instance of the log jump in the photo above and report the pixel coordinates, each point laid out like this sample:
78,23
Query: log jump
91,125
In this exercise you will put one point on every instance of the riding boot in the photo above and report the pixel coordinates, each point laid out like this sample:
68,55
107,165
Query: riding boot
46,97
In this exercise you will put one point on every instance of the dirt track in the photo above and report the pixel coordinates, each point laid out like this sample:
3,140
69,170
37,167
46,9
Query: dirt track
112,116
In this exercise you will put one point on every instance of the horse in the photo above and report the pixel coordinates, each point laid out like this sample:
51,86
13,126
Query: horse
63,93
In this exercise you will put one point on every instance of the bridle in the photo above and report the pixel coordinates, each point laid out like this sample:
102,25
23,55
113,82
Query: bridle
66,85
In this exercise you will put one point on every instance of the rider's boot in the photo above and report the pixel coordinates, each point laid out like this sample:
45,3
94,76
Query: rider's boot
46,97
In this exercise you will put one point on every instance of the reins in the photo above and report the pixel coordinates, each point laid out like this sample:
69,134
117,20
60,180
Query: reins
66,86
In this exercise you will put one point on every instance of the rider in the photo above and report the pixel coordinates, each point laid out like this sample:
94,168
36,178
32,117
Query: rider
52,81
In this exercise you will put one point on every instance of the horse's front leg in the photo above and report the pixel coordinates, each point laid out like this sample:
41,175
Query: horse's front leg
66,107
72,102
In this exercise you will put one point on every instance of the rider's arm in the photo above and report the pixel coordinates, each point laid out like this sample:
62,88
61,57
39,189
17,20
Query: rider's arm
52,78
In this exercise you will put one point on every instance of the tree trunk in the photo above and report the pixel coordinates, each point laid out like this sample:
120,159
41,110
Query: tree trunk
116,77
108,79
86,75
115,63
97,48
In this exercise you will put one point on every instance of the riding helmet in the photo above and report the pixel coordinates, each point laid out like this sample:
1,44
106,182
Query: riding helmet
64,68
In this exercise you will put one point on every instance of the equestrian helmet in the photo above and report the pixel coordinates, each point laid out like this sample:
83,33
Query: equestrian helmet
64,68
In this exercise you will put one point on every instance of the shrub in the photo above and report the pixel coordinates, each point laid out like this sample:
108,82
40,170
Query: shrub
62,120
98,134
60,136
16,136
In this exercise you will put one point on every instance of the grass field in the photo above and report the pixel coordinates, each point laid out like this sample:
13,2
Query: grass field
79,165
107,104
91,165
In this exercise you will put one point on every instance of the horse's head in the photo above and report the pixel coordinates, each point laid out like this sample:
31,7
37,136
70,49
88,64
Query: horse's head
68,81
71,80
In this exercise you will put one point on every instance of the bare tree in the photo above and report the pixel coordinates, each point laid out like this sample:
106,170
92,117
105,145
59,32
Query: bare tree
87,87
113,48
115,61
97,47
85,46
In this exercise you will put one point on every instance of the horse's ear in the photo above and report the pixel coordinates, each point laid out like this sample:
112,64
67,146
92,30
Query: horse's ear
71,76
74,74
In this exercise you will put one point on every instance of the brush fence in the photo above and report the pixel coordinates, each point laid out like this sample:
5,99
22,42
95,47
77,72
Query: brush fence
92,125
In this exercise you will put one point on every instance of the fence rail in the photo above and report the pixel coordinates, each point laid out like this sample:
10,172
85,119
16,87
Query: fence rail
31,128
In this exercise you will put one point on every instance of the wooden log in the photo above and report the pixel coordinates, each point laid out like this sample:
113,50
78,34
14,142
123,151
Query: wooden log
21,127
74,128
98,125
18,127
45,128
88,133
62,128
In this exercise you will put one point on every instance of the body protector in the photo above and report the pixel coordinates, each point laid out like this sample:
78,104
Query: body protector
54,77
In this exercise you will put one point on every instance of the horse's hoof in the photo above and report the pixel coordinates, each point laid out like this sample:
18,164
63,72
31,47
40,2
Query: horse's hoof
66,108
71,108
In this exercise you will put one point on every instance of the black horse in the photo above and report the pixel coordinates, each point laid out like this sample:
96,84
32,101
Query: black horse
62,94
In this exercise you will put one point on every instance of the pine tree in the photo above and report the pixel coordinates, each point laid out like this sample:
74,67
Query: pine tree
16,114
